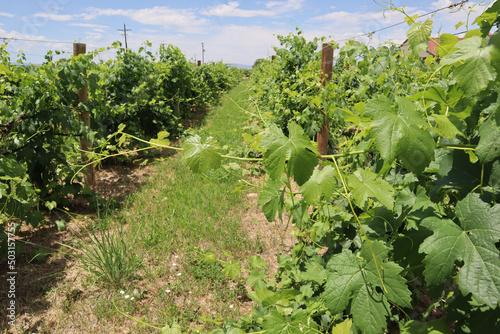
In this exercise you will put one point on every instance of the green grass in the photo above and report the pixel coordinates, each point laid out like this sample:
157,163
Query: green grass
169,224
180,208
225,123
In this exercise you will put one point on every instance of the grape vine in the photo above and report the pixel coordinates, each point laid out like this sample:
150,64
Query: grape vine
40,130
399,228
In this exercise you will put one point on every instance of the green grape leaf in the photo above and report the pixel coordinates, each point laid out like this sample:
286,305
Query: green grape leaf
369,310
321,182
400,135
175,329
354,276
495,51
343,328
257,262
272,199
298,323
419,32
162,139
297,149
474,75
488,148
487,20
232,269
445,127
494,181
446,45
364,184
255,275
202,156
471,241
314,272
473,70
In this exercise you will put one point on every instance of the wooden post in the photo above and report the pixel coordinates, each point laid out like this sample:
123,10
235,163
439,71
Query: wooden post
326,75
85,145
272,58
199,62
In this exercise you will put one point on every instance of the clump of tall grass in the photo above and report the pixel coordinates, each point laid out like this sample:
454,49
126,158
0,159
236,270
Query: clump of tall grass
107,256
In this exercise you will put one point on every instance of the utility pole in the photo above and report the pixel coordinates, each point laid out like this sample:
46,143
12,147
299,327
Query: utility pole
202,53
125,34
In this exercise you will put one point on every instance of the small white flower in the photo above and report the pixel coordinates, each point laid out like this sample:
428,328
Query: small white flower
174,264
179,274
127,296
132,298
168,291
176,256
231,306
122,292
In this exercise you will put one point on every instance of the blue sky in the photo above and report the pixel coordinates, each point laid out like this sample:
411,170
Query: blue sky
235,31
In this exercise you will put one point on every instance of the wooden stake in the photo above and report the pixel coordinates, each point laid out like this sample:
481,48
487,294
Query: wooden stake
85,145
326,75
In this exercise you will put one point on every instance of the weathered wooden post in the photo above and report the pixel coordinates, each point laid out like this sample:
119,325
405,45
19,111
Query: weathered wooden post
85,145
326,75
199,62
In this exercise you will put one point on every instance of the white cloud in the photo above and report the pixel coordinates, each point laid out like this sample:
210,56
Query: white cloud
58,17
345,25
30,46
151,31
89,25
183,19
441,4
242,44
285,6
274,8
6,14
447,19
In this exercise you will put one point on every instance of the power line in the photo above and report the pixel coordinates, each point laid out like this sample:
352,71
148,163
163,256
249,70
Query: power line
453,5
32,40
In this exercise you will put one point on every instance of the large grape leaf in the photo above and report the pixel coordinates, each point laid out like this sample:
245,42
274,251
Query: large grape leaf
488,19
364,184
471,241
473,70
355,276
488,148
297,149
201,156
321,182
400,135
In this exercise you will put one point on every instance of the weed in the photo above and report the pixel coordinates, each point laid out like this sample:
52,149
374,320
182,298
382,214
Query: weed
107,257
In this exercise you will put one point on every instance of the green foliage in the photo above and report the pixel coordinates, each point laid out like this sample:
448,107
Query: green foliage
201,156
297,150
472,241
40,127
284,86
405,216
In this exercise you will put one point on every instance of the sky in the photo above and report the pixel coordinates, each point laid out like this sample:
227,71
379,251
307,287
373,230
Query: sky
235,31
